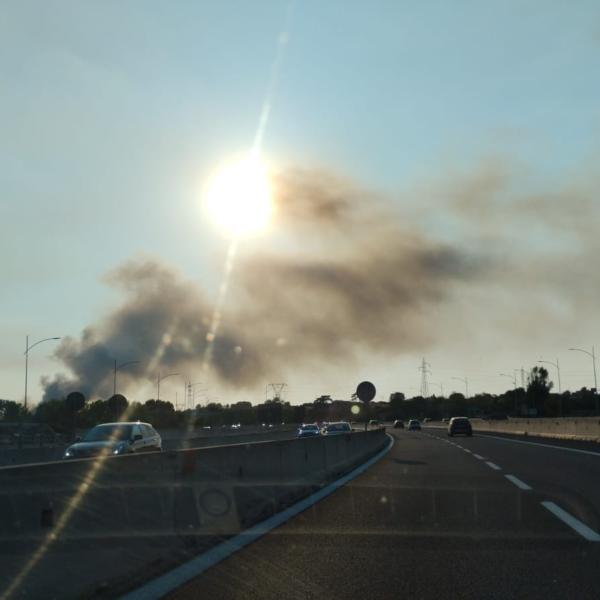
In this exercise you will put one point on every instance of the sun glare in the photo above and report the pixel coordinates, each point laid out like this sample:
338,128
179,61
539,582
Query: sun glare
238,197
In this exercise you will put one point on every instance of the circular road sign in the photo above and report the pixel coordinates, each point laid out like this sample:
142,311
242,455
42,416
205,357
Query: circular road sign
365,391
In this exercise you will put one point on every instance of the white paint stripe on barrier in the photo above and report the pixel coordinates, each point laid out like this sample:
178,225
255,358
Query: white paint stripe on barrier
581,528
552,446
520,484
174,579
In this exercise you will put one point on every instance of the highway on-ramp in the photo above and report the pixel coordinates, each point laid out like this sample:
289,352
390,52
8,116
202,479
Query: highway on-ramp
437,517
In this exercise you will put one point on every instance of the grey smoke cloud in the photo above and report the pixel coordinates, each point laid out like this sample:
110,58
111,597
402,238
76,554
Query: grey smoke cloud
162,323
358,277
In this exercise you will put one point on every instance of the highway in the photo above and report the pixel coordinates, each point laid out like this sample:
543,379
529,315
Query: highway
437,517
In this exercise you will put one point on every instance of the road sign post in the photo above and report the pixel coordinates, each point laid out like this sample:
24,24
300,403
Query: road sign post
365,392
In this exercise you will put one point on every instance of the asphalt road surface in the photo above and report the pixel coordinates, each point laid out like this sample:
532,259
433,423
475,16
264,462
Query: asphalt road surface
437,517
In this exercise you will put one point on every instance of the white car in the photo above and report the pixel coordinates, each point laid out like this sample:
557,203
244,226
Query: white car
114,439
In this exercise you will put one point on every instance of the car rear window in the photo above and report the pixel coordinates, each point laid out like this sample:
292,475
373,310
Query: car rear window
338,427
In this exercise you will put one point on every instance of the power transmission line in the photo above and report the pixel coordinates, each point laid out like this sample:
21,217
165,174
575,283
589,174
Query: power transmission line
278,390
424,368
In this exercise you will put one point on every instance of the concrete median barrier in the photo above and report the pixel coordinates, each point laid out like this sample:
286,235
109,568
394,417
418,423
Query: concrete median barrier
583,428
95,528
210,491
174,440
193,440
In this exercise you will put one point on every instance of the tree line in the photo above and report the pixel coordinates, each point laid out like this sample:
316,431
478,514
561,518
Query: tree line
65,415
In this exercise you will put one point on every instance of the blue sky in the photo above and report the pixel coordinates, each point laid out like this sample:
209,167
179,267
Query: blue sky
113,114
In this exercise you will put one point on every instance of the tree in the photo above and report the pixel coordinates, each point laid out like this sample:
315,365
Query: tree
74,402
94,413
11,411
538,389
323,400
56,414
270,411
117,405
159,412
298,413
397,400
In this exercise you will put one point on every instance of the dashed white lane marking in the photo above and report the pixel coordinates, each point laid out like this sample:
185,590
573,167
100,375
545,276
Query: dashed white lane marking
493,466
551,446
520,484
467,450
477,456
581,528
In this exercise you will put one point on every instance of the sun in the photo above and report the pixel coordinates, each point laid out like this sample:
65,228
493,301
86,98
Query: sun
238,197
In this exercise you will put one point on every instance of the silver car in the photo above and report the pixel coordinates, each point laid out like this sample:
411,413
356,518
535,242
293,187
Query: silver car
414,425
308,430
338,428
113,439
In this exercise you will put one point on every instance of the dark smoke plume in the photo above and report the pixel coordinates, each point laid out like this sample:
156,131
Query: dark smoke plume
352,278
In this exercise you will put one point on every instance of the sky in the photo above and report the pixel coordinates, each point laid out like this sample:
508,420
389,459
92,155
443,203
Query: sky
459,140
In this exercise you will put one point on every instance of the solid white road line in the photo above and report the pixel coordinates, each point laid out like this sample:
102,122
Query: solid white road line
581,528
477,456
552,446
520,484
493,466
174,579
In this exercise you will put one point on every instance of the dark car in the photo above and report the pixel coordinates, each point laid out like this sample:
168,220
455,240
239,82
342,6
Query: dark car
111,439
308,430
414,425
460,426
398,424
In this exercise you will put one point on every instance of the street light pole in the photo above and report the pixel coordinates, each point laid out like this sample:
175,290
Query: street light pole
159,380
27,349
117,368
593,355
466,382
193,394
549,362
513,378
